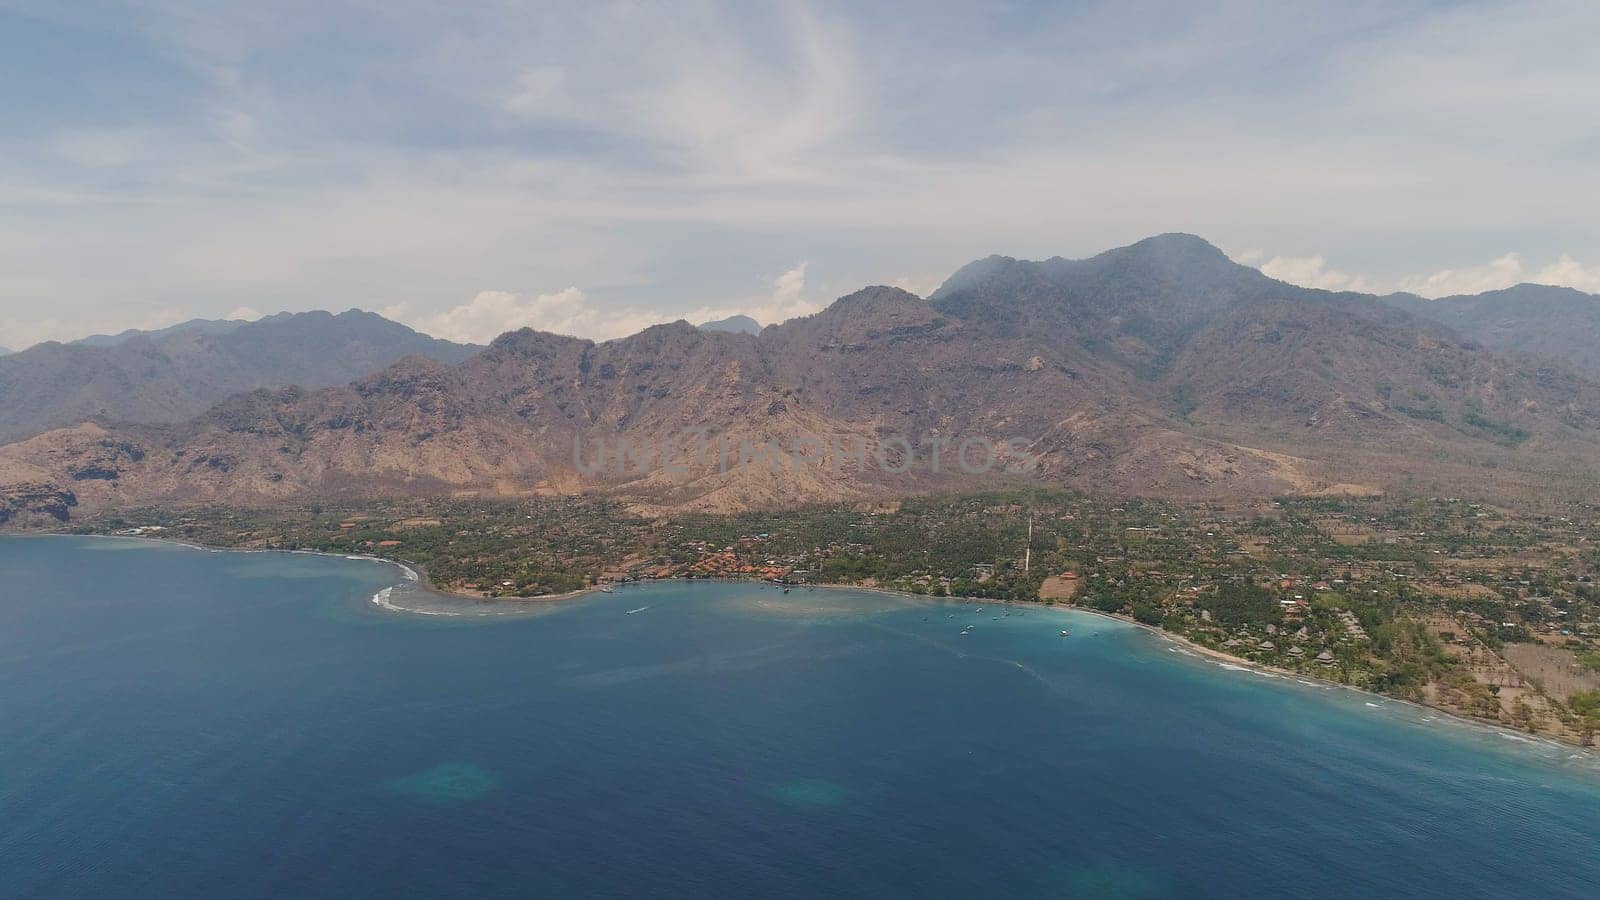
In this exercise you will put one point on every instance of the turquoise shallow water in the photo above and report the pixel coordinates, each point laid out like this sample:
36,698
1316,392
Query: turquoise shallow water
175,722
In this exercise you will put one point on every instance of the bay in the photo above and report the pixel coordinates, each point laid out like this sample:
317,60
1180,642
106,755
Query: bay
178,722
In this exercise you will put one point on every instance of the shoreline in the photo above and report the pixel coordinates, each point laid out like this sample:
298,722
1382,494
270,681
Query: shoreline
1226,660
415,573
418,574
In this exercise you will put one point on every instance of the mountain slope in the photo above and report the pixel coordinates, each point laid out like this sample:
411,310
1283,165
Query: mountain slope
193,326
1533,319
1159,368
176,374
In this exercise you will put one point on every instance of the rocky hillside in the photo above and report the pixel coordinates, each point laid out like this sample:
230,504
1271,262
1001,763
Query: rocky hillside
1159,368
176,374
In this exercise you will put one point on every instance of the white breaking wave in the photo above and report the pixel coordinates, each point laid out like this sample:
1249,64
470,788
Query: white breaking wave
385,599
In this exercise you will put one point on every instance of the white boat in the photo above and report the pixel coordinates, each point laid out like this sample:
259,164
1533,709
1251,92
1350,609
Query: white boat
1064,632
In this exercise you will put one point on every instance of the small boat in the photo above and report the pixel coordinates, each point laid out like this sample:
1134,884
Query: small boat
786,590
1064,632
606,590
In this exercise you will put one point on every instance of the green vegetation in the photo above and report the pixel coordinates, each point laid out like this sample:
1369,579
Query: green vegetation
1428,414
1504,430
1237,603
1425,599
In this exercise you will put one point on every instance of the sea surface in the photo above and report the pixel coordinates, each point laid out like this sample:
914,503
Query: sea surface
177,722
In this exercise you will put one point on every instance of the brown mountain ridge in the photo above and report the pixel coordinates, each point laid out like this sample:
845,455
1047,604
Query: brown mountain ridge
1157,368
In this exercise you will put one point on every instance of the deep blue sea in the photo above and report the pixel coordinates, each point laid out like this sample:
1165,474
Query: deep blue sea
183,723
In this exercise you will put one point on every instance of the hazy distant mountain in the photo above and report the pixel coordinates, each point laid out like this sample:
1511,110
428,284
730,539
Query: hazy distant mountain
1535,319
194,326
733,325
1158,368
4,351
177,373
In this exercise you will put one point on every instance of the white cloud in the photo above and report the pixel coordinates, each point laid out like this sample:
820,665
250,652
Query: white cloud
20,334
103,148
1502,272
493,313
535,91
1497,274
661,156
1568,272
571,311
788,300
1311,271
244,314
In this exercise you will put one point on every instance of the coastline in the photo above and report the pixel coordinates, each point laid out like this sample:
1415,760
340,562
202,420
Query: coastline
1278,672
1229,661
413,573
416,574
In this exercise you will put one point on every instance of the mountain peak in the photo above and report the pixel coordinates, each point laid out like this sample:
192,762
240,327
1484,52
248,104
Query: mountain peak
733,325
1528,290
873,302
989,270
531,343
1174,252
1177,242
876,294
677,329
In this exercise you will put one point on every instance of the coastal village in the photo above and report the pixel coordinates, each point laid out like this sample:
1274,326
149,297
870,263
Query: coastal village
1474,609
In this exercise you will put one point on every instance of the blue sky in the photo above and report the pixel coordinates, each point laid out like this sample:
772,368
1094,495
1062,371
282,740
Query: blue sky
593,167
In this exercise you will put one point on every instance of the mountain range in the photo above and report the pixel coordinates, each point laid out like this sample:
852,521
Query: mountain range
193,326
177,373
1530,319
1158,368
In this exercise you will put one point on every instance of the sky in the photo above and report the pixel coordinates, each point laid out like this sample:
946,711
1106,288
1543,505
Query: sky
593,168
